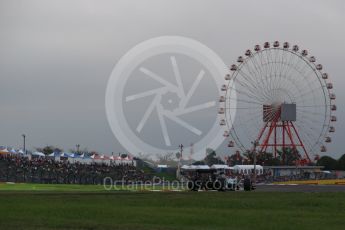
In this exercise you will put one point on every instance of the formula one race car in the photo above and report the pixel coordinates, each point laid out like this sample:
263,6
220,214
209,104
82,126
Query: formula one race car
211,179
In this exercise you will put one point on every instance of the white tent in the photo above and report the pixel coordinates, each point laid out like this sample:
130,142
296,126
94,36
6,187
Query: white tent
162,166
21,151
185,167
203,167
38,154
221,167
189,167
247,169
194,167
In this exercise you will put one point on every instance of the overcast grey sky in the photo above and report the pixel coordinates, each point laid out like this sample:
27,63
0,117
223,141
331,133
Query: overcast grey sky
56,56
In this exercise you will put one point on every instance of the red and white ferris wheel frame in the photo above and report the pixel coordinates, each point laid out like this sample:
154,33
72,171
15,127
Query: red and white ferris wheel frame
234,82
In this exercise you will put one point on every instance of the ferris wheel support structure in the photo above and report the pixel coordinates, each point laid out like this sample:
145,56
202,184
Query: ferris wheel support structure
288,132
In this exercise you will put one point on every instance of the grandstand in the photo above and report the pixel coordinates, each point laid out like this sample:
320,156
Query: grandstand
21,168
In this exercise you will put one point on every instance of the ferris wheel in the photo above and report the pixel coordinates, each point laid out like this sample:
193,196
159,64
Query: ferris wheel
282,99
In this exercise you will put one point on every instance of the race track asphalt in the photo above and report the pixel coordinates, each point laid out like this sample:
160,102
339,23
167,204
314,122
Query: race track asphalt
300,188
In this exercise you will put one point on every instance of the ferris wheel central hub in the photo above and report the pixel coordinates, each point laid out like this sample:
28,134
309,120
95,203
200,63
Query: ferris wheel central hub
276,104
279,112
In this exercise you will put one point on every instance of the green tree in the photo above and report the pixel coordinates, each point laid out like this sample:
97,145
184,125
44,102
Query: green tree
211,157
199,163
288,156
341,163
262,158
266,158
49,149
328,162
235,159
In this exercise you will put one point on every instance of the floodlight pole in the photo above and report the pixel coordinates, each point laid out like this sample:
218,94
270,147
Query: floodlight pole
24,147
181,149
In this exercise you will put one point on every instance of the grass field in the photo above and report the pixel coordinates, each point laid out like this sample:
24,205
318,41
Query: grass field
86,207
23,187
50,187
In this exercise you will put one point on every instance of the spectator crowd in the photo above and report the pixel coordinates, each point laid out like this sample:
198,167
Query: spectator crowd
14,168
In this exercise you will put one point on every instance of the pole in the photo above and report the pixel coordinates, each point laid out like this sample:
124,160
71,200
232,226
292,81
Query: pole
181,150
283,149
275,139
24,147
179,161
254,153
191,153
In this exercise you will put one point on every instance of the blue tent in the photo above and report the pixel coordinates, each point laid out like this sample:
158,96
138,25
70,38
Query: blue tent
13,151
74,155
64,155
54,154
